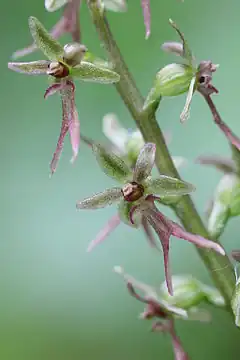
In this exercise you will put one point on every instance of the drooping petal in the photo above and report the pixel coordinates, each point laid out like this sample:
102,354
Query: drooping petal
145,162
187,54
100,200
115,5
198,240
44,41
53,5
107,230
39,67
146,16
53,89
167,186
125,209
162,226
149,234
87,71
226,165
111,164
173,47
74,130
186,110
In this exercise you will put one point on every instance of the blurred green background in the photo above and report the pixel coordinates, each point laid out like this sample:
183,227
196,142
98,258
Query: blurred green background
58,302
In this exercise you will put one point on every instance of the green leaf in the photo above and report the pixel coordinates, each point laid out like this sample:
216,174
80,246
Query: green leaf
100,200
30,68
145,162
167,186
44,41
112,165
87,71
53,5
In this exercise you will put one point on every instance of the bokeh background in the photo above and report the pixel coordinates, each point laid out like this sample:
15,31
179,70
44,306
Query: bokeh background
58,302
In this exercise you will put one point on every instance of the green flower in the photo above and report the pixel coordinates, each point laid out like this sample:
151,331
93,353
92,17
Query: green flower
64,65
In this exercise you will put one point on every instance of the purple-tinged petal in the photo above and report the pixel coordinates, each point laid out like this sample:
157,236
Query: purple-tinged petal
226,165
39,67
147,16
236,255
145,162
100,200
198,240
173,47
149,234
54,88
25,51
107,230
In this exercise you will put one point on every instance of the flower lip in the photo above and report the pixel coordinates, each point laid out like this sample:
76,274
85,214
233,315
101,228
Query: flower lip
58,70
132,191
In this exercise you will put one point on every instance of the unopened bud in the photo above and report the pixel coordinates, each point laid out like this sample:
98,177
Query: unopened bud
74,53
58,70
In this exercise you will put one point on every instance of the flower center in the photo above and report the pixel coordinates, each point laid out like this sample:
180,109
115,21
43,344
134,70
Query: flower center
132,191
58,70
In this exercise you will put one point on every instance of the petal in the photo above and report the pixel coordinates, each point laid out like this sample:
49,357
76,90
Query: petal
168,186
100,200
117,134
111,164
149,234
115,5
186,110
87,71
236,255
162,226
226,165
25,51
148,291
125,212
198,240
44,41
59,147
187,54
39,67
53,5
107,230
173,47
53,89
145,162
147,16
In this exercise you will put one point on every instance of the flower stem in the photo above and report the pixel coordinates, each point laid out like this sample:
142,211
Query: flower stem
219,266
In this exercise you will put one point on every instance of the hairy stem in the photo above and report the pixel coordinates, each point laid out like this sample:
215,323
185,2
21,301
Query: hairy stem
219,266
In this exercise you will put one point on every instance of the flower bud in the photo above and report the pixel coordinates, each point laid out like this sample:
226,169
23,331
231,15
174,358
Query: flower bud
74,53
172,80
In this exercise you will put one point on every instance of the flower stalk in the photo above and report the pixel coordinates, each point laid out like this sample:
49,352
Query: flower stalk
219,267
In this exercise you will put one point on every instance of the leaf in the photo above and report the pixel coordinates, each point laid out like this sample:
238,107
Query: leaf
30,68
53,5
168,186
111,164
100,200
145,162
51,48
87,71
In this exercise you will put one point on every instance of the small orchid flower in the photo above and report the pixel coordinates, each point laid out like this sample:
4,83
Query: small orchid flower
63,65
175,79
162,311
226,201
136,200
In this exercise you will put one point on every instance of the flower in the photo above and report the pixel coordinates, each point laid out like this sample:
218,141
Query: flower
136,201
175,79
225,203
164,309
63,65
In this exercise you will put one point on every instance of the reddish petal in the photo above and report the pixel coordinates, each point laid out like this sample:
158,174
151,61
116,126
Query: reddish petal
147,16
179,352
198,240
148,232
52,89
108,228
74,124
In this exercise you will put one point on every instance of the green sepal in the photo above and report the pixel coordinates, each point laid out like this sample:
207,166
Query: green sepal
167,186
101,200
87,71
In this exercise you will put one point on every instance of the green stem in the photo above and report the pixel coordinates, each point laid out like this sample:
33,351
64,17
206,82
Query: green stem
219,266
